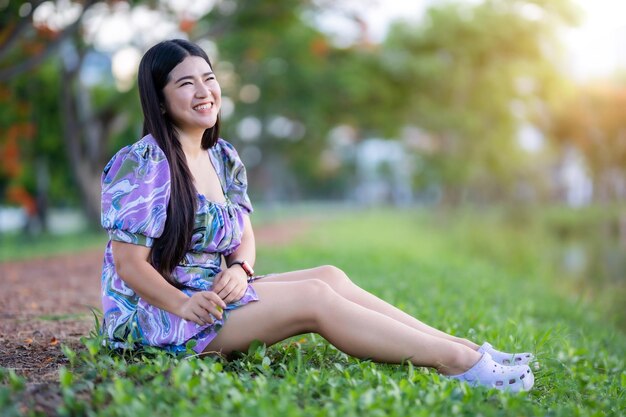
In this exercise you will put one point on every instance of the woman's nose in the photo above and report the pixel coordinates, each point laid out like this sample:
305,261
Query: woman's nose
202,90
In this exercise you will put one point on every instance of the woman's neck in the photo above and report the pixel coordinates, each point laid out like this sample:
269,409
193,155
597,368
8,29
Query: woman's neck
191,144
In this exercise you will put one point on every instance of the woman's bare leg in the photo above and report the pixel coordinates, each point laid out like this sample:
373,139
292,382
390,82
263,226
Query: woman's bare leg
287,309
340,282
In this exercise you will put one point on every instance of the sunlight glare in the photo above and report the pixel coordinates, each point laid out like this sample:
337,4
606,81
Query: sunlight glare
125,63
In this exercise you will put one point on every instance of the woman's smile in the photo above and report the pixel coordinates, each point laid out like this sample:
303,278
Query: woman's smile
192,95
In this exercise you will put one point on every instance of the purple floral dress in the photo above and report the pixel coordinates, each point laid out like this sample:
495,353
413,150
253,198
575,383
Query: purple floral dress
135,195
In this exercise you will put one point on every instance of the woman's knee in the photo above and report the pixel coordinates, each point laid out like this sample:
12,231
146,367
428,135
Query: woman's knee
317,298
317,289
333,276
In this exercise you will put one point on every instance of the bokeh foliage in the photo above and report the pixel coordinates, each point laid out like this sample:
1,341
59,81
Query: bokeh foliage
469,75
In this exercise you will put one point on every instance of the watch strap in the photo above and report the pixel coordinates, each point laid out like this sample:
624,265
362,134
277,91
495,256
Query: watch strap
245,266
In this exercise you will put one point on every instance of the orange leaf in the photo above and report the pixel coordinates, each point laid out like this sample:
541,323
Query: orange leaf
28,341
186,25
54,341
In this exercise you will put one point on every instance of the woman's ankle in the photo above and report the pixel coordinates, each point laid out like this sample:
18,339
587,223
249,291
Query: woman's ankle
461,359
466,342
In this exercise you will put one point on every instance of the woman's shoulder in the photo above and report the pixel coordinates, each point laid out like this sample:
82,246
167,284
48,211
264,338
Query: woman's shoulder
144,148
148,142
235,174
227,150
135,193
144,152
224,146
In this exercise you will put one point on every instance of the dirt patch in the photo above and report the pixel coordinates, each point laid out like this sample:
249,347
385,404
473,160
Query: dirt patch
45,303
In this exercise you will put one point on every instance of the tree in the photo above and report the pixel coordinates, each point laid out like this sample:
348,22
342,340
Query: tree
455,75
94,119
466,66
294,75
53,103
592,120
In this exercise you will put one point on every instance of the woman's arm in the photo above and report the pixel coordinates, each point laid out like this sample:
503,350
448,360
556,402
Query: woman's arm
131,264
247,248
231,283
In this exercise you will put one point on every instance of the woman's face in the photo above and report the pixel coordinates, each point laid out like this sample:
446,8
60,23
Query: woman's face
192,96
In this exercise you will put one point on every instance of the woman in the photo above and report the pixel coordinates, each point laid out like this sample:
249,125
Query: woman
176,201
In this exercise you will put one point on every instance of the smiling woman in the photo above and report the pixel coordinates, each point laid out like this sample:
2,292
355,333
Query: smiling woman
175,203
192,97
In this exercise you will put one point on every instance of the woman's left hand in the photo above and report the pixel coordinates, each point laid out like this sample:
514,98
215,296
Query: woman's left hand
231,284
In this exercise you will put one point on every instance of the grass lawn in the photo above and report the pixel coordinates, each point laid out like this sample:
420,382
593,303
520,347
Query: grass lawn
17,247
474,275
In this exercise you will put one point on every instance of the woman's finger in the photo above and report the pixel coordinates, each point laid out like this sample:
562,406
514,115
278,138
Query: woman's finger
204,315
198,319
218,282
222,282
214,298
236,294
212,309
232,284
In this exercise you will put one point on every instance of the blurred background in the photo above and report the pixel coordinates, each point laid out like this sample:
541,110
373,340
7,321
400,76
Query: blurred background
436,105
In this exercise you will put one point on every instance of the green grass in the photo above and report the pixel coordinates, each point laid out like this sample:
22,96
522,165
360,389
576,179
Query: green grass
15,247
62,317
483,276
22,246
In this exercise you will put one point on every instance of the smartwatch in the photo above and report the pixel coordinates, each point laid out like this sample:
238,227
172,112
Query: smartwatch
246,267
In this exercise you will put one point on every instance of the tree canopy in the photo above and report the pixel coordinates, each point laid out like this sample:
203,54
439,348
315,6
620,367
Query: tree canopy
469,75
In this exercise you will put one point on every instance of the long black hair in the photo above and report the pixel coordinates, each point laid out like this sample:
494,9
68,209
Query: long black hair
154,71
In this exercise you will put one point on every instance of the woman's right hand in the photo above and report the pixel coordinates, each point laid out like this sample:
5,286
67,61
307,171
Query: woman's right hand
202,307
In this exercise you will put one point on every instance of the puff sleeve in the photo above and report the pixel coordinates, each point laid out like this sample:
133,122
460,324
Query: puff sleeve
135,194
236,178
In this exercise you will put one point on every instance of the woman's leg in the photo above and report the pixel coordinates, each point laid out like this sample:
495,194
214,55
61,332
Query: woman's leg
290,308
341,284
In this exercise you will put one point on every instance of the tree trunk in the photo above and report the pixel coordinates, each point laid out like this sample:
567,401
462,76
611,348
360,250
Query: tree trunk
86,169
